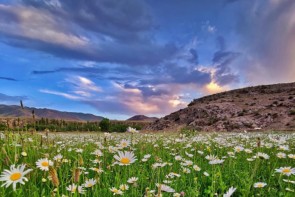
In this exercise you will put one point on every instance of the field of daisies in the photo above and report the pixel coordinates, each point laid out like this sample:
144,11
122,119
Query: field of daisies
137,164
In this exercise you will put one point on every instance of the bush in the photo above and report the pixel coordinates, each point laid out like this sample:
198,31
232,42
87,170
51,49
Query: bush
104,124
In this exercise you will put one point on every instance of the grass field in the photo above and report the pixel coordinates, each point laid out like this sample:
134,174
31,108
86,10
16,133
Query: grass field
195,164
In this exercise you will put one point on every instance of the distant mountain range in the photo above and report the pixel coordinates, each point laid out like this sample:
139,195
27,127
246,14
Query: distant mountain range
17,111
264,107
142,118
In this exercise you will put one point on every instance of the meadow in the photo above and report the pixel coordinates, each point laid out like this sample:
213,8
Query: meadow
147,164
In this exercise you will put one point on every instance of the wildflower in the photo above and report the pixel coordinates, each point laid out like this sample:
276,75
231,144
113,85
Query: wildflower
116,191
98,170
196,168
230,191
292,156
97,153
211,157
206,173
24,154
259,185
72,188
290,190
58,157
165,188
132,180
178,158
132,130
281,155
262,155
124,187
125,158
216,161
43,164
239,149
186,170
124,143
89,183
14,175
286,170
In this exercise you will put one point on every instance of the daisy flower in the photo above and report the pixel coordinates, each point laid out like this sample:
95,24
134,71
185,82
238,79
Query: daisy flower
89,183
286,171
125,158
43,164
165,188
216,161
124,143
72,188
230,191
58,157
14,175
281,155
132,130
132,180
262,155
116,191
124,187
259,185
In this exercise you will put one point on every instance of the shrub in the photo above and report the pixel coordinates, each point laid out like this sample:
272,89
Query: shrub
104,124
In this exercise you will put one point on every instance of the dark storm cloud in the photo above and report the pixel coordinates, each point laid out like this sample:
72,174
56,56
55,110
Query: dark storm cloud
174,74
222,61
8,79
120,32
123,20
266,30
7,98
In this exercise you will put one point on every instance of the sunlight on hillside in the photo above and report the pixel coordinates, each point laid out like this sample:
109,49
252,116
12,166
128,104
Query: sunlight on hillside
212,87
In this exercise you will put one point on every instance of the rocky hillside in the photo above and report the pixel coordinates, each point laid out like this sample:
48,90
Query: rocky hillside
253,108
17,111
142,118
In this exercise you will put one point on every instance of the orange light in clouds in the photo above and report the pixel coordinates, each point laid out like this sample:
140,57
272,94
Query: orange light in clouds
213,87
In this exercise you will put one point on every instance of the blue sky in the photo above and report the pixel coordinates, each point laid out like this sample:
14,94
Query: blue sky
121,58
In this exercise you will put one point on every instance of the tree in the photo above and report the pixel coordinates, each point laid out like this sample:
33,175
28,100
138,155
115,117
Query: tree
105,124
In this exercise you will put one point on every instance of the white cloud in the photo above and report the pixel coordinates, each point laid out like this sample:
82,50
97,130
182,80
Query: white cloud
65,95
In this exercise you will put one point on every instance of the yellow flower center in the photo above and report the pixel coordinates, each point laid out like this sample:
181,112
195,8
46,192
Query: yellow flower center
259,185
125,160
124,144
89,185
15,176
45,163
286,170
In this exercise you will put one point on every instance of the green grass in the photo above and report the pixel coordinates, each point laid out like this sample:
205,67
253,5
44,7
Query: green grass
235,171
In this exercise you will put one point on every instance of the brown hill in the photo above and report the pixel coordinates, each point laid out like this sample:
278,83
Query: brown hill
17,111
142,118
253,108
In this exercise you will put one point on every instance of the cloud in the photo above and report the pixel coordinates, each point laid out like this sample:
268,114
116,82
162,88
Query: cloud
222,60
8,79
65,95
119,32
7,98
266,37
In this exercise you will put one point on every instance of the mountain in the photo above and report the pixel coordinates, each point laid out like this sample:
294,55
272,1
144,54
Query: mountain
264,107
17,111
142,118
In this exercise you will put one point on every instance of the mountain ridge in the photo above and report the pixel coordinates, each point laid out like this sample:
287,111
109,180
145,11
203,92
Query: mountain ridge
17,111
264,107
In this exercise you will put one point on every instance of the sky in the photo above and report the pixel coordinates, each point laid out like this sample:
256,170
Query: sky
119,58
